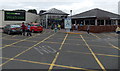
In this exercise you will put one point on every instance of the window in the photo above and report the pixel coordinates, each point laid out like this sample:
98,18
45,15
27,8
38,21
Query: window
89,22
14,26
113,22
118,22
100,22
92,22
86,22
108,22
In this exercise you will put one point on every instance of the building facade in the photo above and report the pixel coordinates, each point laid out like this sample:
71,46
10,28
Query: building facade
52,16
15,17
96,17
98,20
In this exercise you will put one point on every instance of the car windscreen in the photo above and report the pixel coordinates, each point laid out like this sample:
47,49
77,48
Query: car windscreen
15,26
36,25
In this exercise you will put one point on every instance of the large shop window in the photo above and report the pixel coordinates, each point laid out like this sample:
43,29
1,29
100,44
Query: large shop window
118,22
100,22
108,22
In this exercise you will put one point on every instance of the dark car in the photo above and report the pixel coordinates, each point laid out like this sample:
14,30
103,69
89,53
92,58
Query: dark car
9,29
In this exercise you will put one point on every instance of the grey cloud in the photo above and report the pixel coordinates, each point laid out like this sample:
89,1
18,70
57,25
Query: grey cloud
111,5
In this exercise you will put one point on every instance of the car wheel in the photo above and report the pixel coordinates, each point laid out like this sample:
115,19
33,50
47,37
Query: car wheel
9,32
20,33
33,31
40,31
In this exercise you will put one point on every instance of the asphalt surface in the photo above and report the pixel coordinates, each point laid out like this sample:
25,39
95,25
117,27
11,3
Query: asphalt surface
67,52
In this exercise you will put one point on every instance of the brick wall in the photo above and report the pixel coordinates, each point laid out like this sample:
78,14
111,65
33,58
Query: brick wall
98,29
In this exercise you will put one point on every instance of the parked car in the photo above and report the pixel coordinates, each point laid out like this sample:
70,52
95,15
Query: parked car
35,27
9,29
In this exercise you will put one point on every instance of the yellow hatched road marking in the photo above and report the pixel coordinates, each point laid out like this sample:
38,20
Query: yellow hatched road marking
100,64
19,41
5,36
95,53
26,50
26,61
56,56
77,44
113,46
35,62
14,36
19,46
95,36
74,68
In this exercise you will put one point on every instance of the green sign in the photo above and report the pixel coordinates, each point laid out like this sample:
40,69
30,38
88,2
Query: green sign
14,16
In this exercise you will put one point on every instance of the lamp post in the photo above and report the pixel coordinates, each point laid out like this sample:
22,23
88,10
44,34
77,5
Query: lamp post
71,13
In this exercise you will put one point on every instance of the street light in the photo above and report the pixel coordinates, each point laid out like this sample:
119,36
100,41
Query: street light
71,13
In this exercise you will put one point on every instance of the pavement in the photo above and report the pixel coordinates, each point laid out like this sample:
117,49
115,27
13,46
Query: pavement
61,51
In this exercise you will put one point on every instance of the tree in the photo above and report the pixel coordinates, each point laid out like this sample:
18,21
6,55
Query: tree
32,11
42,11
21,10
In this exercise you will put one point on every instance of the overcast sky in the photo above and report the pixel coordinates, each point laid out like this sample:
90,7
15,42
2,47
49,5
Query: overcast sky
77,6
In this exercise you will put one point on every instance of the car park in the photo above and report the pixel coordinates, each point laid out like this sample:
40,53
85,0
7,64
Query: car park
10,29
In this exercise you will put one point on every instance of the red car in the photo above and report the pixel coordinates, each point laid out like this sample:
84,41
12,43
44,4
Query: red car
35,27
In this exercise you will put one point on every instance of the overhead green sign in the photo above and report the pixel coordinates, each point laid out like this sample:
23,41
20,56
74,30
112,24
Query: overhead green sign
14,16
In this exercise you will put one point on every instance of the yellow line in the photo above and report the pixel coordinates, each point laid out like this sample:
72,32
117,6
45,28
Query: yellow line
95,36
109,43
73,33
114,46
110,35
57,38
13,36
95,53
63,41
19,46
54,60
48,64
108,55
5,36
26,50
52,42
75,68
18,41
101,46
76,44
26,61
10,39
103,68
